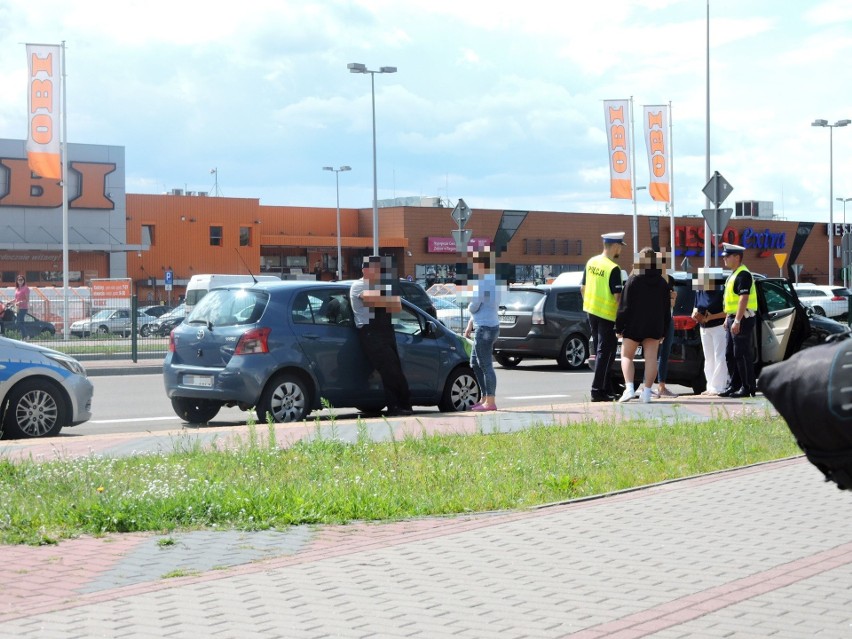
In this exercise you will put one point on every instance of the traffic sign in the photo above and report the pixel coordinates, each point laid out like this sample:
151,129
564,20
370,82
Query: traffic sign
462,238
780,258
797,269
461,213
846,249
717,189
169,279
717,225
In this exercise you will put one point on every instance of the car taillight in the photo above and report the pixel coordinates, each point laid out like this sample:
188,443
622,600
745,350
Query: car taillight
538,311
172,342
838,298
253,342
684,323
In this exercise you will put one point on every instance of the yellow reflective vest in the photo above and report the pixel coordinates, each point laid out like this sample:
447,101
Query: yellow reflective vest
597,297
732,300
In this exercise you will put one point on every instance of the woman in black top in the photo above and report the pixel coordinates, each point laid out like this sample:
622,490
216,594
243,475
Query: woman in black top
643,317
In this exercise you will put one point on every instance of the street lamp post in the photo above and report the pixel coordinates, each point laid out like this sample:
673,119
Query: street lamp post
337,190
843,245
844,200
357,67
831,127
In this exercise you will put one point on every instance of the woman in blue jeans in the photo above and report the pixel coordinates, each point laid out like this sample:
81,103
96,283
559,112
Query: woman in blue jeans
483,316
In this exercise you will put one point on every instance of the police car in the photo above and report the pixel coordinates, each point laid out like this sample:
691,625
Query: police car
41,390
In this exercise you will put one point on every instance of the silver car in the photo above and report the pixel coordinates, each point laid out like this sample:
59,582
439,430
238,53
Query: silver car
110,320
41,390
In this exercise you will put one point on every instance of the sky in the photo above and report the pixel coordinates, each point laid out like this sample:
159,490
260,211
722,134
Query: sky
496,102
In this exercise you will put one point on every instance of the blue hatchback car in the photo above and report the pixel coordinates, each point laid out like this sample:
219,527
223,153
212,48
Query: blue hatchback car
283,348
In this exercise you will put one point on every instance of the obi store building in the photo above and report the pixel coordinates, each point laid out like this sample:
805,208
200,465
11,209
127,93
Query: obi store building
142,237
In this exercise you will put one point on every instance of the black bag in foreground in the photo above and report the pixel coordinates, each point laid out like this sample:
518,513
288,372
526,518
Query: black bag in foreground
813,393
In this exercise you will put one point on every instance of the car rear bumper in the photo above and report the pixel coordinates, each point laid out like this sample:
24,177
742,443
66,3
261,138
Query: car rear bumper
528,346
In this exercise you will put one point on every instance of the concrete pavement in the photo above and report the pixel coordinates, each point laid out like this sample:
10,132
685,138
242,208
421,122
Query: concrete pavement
764,551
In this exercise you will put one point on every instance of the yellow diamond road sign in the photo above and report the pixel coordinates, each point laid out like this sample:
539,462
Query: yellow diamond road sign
780,258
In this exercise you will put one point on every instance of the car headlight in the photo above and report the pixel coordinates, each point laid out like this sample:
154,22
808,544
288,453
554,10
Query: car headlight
68,363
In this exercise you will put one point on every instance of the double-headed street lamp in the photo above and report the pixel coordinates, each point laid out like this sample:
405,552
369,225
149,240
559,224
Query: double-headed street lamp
844,200
824,123
357,67
337,190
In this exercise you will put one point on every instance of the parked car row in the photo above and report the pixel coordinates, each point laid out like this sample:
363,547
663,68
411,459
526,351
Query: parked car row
118,321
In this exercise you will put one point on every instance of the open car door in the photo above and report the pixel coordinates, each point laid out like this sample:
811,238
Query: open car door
783,320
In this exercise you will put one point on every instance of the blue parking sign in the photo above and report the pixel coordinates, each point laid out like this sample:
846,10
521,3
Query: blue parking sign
169,279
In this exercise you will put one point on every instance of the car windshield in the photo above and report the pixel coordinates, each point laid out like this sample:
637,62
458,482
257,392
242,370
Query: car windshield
443,304
102,315
229,307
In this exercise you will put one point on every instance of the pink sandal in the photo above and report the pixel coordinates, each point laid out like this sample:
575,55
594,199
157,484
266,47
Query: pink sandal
479,408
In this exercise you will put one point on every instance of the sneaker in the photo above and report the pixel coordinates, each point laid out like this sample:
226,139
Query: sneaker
665,393
646,395
626,396
654,393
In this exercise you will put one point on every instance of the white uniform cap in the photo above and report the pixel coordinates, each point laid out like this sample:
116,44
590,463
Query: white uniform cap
732,249
613,238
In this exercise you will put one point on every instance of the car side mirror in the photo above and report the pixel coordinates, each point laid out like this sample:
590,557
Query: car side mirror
431,328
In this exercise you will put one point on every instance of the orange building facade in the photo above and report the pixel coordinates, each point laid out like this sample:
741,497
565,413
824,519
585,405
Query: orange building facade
145,237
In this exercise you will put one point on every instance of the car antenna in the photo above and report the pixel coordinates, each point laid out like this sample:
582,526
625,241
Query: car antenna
246,265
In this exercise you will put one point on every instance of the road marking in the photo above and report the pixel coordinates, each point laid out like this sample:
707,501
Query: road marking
134,419
537,396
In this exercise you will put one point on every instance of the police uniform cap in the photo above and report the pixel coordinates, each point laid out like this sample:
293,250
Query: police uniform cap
613,238
732,249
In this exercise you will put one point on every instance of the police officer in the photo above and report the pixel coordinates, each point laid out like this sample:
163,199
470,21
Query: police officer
601,290
374,300
740,306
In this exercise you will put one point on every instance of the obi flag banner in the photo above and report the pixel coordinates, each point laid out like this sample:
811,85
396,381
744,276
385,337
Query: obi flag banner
655,120
44,78
617,114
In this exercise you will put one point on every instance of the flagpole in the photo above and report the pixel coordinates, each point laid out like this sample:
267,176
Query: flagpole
64,158
633,179
671,187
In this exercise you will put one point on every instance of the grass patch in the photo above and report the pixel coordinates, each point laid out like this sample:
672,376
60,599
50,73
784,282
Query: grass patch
257,486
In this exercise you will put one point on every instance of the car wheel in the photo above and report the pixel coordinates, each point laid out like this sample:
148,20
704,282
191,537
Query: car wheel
819,310
103,330
573,354
34,408
461,391
195,411
508,361
145,331
286,398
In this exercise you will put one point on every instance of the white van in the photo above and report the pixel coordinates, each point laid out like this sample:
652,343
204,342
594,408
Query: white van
200,285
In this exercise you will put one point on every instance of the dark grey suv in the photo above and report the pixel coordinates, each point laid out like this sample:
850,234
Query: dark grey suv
543,322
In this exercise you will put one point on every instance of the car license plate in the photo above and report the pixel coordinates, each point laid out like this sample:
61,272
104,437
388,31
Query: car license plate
205,381
638,351
508,319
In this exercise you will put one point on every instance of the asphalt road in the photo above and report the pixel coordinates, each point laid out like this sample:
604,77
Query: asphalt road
138,403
